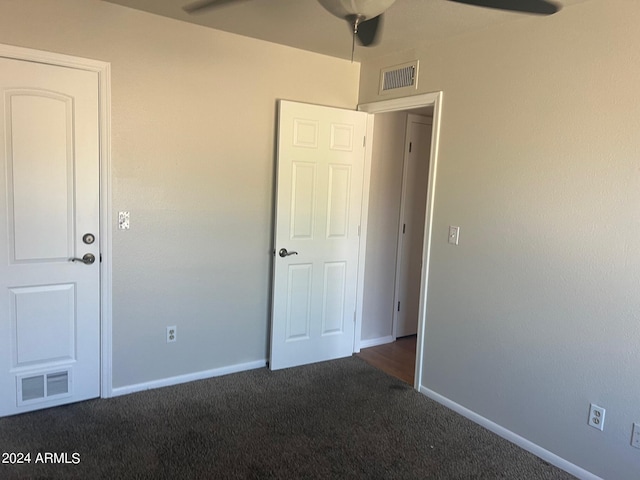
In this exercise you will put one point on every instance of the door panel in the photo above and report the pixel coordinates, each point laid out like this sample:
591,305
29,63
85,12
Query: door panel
38,341
303,200
299,302
338,198
49,168
319,196
334,288
39,121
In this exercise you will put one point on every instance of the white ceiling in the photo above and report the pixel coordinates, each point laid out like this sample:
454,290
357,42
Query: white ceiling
307,25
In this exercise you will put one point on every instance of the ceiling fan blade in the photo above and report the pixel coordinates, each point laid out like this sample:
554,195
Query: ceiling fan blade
201,6
540,7
368,31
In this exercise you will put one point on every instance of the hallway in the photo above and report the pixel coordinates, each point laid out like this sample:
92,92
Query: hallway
397,358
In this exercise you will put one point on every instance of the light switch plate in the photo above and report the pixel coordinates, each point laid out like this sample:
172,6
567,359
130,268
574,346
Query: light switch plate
123,220
635,435
454,235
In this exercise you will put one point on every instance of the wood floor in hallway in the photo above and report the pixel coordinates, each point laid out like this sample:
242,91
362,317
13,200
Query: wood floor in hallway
397,358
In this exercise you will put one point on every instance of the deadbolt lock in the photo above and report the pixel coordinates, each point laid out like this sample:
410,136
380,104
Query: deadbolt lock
88,238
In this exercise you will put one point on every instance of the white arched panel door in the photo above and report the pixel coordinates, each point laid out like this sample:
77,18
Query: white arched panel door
49,215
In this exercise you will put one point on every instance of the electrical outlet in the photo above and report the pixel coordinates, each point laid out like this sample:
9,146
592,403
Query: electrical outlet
635,435
172,334
596,416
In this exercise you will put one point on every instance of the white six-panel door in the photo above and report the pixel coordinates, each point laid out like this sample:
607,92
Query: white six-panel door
49,201
320,168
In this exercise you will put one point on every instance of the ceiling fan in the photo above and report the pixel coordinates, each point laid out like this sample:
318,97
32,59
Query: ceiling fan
365,16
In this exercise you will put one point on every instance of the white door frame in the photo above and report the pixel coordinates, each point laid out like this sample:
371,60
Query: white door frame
103,69
394,105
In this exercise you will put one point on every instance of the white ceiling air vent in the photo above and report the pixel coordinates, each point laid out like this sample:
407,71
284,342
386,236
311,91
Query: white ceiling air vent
399,78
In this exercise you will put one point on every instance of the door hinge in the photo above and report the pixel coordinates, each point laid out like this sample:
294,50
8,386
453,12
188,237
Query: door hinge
404,228
398,306
100,258
358,230
354,317
410,146
364,141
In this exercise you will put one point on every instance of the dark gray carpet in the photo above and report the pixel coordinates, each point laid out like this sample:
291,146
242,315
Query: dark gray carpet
338,419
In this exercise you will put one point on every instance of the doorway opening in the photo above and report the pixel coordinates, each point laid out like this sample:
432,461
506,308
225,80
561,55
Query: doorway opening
413,202
397,358
402,301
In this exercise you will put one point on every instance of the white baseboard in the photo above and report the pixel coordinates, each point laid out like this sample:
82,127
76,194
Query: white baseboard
190,377
522,442
374,342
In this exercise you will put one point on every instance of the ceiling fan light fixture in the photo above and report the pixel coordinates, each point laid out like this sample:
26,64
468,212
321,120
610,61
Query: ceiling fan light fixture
364,9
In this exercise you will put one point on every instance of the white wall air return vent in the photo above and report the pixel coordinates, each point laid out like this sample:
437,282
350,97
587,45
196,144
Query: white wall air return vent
399,78
42,387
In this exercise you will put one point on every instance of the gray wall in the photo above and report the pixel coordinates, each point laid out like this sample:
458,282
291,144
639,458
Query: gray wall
382,229
536,313
193,128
